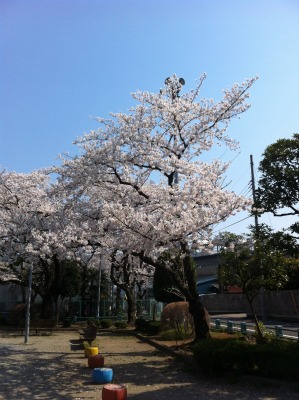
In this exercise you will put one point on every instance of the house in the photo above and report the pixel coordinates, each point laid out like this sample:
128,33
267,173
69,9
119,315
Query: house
207,272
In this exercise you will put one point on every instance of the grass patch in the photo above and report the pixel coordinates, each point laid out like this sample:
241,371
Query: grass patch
173,334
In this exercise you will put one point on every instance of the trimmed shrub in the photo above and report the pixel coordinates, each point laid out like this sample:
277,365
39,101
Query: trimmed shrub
67,322
18,314
95,321
3,320
140,323
276,359
177,315
120,325
150,328
105,323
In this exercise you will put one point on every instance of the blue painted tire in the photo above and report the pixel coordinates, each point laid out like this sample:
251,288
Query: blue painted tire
102,375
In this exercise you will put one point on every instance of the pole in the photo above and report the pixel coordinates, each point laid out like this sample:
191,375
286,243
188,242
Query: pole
27,323
99,288
253,193
256,224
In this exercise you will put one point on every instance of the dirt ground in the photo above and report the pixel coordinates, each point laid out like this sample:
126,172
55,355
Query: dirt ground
46,368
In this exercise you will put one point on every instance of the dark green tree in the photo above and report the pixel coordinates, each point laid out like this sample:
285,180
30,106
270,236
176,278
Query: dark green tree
289,248
54,281
126,272
278,186
165,288
253,265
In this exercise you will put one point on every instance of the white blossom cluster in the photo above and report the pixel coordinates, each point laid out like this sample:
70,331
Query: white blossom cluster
35,225
139,183
141,174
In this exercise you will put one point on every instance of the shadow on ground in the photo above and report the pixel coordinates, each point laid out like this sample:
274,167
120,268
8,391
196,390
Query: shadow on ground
147,372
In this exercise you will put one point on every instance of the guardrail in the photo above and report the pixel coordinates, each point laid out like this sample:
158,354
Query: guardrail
245,328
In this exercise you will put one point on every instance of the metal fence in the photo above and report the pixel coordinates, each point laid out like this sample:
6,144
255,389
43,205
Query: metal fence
148,309
245,328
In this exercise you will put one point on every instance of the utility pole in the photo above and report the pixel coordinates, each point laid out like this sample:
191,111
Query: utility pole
27,323
256,224
253,194
99,287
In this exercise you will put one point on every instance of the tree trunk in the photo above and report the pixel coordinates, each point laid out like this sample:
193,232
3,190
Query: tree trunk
131,308
260,338
199,313
200,318
188,288
118,308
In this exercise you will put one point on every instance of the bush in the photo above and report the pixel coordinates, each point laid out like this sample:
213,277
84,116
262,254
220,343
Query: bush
67,322
276,359
148,327
18,314
2,320
120,325
95,321
105,323
177,316
140,323
268,335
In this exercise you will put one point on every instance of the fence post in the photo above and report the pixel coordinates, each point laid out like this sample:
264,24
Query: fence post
229,326
278,331
243,328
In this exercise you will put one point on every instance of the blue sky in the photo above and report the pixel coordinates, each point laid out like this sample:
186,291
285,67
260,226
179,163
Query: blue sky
64,61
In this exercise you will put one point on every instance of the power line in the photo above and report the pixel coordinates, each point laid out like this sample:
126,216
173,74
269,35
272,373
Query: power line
249,216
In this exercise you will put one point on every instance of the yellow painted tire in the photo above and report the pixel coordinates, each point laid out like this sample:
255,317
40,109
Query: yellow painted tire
91,351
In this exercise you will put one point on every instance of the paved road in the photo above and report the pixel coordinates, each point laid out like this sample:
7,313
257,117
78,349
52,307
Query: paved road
289,329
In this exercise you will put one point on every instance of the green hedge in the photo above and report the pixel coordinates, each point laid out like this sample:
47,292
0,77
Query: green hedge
148,327
120,324
277,359
105,323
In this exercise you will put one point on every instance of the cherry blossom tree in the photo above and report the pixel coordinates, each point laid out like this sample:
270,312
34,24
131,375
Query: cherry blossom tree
129,273
145,186
37,230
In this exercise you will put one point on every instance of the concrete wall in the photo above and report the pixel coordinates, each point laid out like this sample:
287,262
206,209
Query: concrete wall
282,305
206,264
278,305
224,303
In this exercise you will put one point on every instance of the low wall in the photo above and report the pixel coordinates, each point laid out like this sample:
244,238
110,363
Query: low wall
224,303
268,305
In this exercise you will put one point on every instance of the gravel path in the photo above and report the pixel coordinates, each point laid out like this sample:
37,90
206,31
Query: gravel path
47,369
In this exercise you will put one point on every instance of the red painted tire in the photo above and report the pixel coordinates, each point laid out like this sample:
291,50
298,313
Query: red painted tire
114,392
96,361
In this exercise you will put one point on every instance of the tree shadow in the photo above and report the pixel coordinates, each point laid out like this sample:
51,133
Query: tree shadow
147,372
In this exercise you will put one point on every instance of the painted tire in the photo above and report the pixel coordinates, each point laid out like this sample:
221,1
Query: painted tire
95,361
102,375
114,392
76,346
91,351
